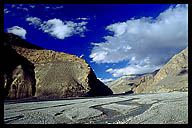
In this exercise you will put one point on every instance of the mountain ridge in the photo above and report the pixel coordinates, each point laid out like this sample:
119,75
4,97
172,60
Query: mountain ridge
176,70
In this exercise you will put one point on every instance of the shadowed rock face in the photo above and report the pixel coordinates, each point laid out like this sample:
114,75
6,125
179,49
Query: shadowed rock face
46,73
18,77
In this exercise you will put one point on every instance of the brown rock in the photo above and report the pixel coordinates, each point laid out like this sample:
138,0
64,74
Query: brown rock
173,76
56,74
17,75
177,64
131,83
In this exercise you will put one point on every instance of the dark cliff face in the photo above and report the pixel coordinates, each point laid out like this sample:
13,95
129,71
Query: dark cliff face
97,87
11,39
17,74
29,70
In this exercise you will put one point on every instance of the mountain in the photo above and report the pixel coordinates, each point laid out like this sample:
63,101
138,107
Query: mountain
173,76
127,83
31,71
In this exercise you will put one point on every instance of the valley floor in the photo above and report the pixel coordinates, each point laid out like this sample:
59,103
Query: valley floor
156,108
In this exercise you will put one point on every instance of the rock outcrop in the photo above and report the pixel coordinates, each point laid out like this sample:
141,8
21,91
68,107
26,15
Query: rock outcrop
171,77
30,70
17,76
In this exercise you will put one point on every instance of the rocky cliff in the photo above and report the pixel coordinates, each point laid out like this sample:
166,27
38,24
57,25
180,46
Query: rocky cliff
171,77
29,70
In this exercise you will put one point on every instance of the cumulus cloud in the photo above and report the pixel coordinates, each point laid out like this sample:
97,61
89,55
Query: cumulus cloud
17,31
146,43
34,21
58,28
105,80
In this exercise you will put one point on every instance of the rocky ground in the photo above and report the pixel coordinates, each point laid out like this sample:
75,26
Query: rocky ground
155,108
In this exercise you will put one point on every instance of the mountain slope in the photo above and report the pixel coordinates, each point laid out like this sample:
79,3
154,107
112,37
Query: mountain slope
127,83
29,70
173,76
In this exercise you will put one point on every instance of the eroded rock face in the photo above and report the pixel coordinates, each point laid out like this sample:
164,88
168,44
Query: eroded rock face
176,65
18,77
56,74
173,76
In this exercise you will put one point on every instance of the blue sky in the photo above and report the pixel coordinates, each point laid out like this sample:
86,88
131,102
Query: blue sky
115,39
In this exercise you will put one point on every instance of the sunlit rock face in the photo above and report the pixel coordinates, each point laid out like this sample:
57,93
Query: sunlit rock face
31,71
173,76
128,83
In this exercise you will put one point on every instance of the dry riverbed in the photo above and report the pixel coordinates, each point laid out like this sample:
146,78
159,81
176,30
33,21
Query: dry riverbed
156,108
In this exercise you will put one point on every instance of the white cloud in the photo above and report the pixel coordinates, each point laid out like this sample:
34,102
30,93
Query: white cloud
32,6
6,10
57,7
105,80
17,31
25,9
82,18
20,7
47,7
34,21
145,43
132,69
13,5
58,28
81,56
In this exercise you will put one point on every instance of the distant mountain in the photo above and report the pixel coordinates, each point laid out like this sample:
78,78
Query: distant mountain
31,71
171,77
127,83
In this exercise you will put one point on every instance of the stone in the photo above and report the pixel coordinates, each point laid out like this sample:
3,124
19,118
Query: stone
45,73
128,83
156,108
173,76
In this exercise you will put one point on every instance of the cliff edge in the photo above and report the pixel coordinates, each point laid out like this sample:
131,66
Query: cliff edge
31,71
